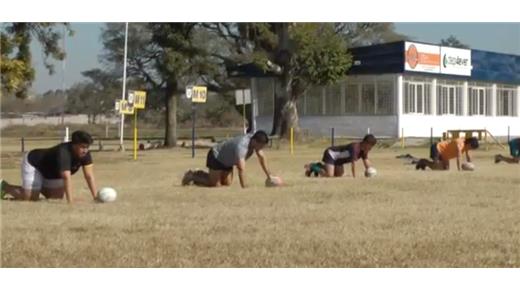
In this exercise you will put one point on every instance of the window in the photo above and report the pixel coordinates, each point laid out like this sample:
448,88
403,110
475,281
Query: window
265,96
367,99
314,101
477,101
416,98
385,100
351,99
333,100
449,100
506,101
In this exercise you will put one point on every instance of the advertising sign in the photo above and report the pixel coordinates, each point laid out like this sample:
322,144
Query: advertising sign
456,61
422,57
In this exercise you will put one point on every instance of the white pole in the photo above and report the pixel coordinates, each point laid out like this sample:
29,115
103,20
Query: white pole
63,67
66,138
121,130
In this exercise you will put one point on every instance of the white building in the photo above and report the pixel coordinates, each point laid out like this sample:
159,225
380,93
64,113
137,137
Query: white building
410,88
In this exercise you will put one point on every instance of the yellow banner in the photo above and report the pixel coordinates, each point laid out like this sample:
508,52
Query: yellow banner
127,108
138,98
199,94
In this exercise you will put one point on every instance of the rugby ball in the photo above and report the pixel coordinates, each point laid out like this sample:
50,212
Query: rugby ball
273,181
107,194
370,172
468,166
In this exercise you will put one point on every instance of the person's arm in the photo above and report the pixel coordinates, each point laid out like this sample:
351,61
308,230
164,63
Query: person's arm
88,172
241,172
67,182
468,156
366,163
263,163
353,167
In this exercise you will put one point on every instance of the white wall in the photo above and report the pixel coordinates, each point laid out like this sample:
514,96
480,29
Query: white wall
355,126
55,120
419,125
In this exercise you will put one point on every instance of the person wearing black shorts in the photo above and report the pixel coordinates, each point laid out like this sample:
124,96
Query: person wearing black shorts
335,157
48,171
224,156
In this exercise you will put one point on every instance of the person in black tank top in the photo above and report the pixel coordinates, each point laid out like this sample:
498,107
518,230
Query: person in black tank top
335,157
48,171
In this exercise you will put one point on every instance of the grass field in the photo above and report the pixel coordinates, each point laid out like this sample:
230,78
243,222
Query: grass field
401,218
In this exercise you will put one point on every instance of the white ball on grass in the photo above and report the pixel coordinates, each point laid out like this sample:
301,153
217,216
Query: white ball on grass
107,194
370,172
468,166
273,181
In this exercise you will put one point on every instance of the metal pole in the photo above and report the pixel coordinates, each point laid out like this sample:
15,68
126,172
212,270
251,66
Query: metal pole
332,136
193,113
508,135
135,134
244,110
63,67
121,129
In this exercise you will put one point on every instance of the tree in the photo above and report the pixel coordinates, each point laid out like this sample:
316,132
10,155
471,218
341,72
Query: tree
17,73
164,55
298,55
452,41
368,33
95,96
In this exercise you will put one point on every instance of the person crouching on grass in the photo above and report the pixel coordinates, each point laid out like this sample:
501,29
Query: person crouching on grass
442,152
223,156
335,157
48,171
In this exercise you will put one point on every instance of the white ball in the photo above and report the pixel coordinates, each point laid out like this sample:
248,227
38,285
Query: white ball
273,181
107,194
370,172
468,166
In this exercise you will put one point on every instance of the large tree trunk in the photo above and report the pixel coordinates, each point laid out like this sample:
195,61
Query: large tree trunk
289,119
170,137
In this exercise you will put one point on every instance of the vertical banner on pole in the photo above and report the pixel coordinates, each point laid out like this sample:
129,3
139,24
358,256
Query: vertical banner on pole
197,94
137,99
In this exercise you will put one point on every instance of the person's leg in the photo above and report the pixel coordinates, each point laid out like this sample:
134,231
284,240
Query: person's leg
16,191
203,178
53,193
53,188
510,160
339,170
328,170
433,165
32,181
226,178
514,151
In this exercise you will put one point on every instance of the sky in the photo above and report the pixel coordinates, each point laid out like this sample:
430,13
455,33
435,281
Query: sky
84,47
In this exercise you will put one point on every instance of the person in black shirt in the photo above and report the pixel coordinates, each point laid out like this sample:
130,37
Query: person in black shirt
48,171
335,157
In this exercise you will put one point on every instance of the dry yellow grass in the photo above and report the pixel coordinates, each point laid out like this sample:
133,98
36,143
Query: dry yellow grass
401,218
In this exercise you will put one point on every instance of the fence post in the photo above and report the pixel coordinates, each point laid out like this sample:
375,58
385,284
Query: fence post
332,136
23,144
